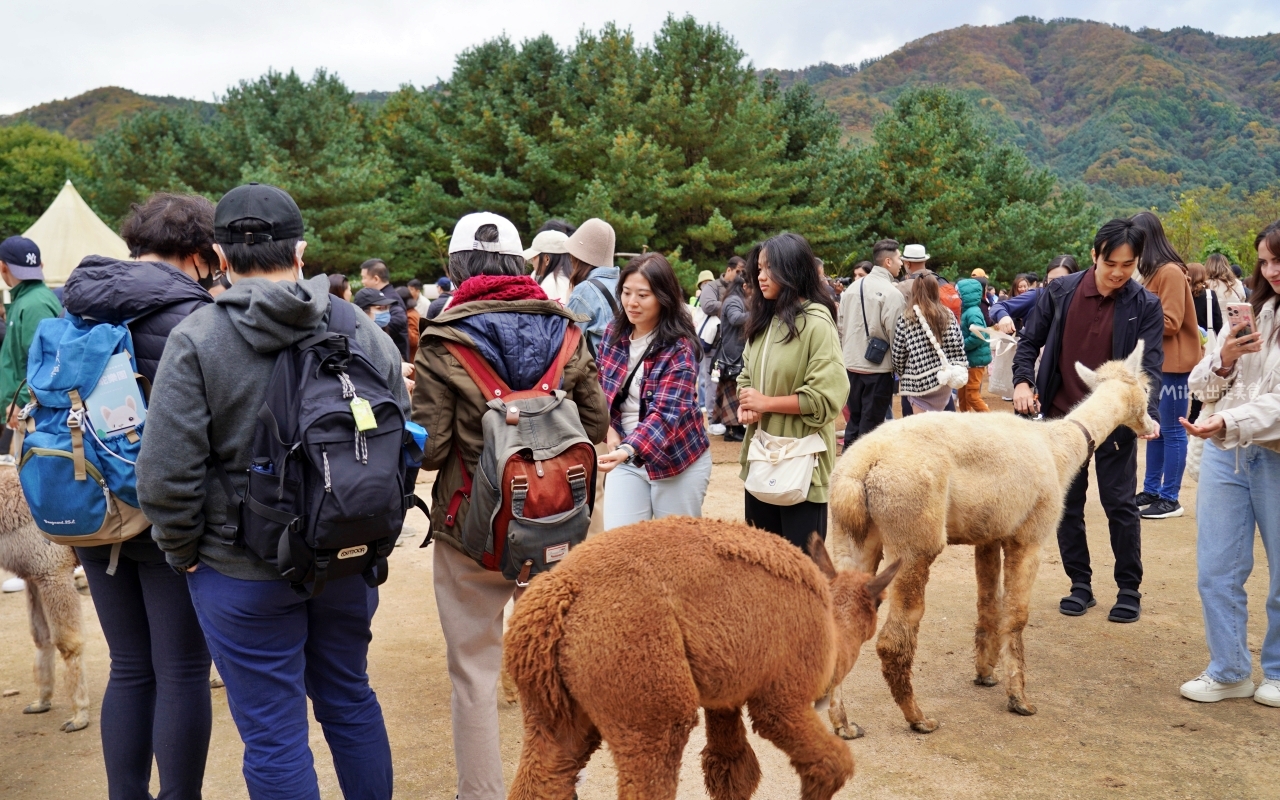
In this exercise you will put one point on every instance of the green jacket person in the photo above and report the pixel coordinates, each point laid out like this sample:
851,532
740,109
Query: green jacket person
22,271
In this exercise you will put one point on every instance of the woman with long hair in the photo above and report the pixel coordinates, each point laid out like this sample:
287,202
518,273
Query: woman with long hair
1164,273
339,286
926,321
659,459
1239,490
793,381
1223,281
1208,315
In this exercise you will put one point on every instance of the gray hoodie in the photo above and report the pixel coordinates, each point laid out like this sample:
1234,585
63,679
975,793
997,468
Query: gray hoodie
211,381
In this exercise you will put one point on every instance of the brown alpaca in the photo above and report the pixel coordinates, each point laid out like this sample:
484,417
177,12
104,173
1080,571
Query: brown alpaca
53,606
914,486
641,626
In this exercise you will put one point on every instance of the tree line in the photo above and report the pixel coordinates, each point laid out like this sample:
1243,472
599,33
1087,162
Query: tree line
677,143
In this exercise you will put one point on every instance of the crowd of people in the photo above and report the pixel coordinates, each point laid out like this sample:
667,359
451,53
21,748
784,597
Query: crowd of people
771,354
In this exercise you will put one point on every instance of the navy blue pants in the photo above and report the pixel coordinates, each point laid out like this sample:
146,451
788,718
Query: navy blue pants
274,650
157,698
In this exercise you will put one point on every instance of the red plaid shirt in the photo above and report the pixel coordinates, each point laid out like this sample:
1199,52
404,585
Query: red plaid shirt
671,434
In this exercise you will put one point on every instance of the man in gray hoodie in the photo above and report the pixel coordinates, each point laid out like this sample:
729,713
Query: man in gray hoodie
273,649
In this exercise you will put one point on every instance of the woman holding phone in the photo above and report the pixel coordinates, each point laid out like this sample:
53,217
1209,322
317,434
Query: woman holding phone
1239,488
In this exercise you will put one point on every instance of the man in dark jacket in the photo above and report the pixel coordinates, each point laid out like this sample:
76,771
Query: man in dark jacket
145,607
1092,317
374,274
274,649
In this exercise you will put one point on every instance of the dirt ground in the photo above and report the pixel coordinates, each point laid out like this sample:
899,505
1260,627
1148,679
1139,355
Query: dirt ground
1110,721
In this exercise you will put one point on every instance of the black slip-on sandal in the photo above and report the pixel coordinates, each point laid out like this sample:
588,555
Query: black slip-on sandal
1121,605
1075,606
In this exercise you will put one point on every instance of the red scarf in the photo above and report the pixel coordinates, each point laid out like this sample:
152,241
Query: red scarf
497,287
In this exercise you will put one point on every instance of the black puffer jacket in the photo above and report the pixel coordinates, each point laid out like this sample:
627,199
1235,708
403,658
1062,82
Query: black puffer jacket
155,295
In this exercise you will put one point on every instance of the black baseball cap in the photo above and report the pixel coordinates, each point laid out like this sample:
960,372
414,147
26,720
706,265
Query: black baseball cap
258,201
369,297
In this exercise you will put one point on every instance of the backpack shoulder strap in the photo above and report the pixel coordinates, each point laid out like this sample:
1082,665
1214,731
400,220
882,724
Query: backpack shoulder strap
608,295
554,376
342,317
480,370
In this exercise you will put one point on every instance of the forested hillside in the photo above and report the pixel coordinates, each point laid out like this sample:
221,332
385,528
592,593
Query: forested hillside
997,146
1141,115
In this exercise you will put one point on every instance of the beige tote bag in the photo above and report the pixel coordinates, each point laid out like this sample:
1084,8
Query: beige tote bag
780,468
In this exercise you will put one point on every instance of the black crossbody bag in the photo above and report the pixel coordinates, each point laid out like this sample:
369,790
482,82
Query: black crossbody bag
876,347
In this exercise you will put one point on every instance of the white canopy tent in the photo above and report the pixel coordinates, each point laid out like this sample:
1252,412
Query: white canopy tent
67,232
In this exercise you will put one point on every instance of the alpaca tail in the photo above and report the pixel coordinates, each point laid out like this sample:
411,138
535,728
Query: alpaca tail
530,652
849,515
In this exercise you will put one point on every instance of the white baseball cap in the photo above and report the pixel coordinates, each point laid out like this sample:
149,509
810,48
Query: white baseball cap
914,252
464,235
552,242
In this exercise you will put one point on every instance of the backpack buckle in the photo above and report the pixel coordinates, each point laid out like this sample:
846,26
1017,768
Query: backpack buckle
296,525
229,534
74,418
522,580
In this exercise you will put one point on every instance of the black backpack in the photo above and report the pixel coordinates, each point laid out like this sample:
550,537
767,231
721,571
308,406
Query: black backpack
325,499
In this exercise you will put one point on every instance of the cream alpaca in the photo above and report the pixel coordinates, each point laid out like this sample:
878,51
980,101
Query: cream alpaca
912,487
641,626
53,607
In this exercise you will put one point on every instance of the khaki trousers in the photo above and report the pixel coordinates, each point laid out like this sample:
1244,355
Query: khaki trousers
470,600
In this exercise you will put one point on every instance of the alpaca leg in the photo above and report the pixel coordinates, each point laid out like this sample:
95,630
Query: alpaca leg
1021,561
62,611
840,718
648,756
46,652
897,643
729,767
986,637
551,760
822,760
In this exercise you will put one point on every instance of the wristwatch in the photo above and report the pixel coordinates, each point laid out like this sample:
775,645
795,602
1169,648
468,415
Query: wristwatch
631,453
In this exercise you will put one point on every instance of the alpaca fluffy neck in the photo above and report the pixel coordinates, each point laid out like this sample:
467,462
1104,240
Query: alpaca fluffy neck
1100,413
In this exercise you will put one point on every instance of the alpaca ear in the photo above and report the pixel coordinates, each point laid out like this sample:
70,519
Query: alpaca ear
877,585
1134,361
1087,375
818,551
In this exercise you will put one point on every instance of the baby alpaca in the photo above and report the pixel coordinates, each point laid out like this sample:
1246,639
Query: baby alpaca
914,486
641,626
53,606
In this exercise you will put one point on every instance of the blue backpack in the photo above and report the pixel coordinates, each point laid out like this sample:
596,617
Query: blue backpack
76,458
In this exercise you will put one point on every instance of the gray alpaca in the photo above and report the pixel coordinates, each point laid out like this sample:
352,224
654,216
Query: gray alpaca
53,607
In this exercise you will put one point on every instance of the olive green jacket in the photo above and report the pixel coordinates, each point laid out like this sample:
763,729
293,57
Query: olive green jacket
811,366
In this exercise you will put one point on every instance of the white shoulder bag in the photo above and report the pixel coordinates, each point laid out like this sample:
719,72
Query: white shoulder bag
780,468
951,375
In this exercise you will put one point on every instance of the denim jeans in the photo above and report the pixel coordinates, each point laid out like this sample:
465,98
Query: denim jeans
1239,489
1167,456
274,650
630,496
157,699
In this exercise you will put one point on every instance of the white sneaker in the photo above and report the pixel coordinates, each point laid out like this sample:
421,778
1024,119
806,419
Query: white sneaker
1268,693
13,585
1206,690
717,429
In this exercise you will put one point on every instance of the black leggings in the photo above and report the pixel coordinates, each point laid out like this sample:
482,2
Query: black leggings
157,698
793,523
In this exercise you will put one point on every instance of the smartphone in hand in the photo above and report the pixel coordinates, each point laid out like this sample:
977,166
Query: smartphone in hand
1238,313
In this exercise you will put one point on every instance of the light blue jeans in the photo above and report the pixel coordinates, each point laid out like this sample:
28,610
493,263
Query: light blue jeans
630,496
1230,503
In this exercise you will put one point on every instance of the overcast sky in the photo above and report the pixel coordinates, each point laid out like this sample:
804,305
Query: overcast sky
60,48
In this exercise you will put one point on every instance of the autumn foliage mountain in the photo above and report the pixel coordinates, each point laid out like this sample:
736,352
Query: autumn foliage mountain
1140,114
